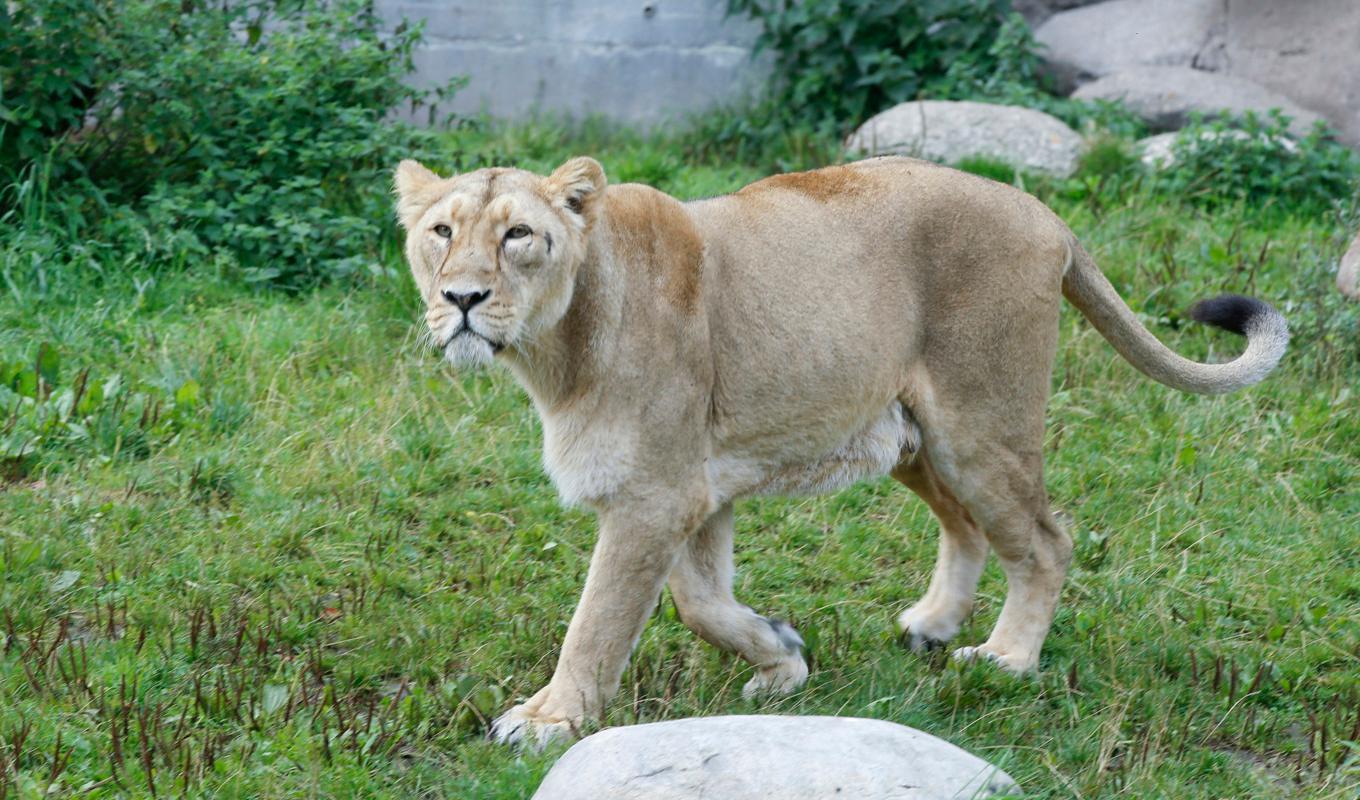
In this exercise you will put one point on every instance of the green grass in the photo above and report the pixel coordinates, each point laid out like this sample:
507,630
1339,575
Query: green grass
320,569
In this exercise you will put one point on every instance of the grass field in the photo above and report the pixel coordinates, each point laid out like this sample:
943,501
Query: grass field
269,546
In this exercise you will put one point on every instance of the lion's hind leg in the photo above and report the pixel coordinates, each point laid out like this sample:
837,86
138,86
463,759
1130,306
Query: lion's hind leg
938,615
701,584
1001,487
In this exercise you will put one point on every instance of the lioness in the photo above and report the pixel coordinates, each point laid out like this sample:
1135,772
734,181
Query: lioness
887,316
1348,276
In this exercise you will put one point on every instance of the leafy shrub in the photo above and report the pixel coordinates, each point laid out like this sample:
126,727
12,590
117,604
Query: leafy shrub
1257,162
1108,156
260,127
839,61
51,56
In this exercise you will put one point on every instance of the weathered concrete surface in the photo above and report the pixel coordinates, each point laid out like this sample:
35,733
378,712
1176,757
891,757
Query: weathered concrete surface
637,61
1166,97
949,132
761,757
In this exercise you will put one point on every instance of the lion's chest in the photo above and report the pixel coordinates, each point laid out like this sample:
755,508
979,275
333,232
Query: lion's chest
587,460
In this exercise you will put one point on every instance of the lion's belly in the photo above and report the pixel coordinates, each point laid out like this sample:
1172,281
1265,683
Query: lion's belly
870,451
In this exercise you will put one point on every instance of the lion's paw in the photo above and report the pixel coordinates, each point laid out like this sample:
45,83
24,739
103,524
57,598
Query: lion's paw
520,727
923,631
1016,664
778,679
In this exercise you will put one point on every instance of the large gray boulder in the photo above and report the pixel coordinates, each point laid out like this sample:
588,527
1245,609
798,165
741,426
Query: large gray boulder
1166,97
1036,11
760,757
1306,49
949,132
1090,42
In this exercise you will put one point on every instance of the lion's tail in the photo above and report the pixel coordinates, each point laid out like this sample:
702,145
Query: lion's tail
1087,288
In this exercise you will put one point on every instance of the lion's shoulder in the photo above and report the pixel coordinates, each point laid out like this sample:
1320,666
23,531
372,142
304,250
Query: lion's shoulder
652,230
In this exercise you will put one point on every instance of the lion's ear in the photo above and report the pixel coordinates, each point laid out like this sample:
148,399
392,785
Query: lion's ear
416,188
576,186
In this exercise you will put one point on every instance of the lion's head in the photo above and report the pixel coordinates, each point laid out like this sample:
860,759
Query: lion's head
495,252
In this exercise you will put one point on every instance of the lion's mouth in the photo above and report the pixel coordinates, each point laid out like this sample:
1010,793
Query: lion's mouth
466,329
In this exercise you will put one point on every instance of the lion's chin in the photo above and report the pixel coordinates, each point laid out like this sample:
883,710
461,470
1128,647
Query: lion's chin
468,350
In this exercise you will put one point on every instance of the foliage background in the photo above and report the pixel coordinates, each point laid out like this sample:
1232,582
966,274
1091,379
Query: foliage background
839,61
256,132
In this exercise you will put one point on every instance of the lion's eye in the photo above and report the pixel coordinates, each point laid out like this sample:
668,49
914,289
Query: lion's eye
518,232
444,231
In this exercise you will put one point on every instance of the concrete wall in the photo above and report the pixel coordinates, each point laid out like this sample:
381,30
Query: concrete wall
639,61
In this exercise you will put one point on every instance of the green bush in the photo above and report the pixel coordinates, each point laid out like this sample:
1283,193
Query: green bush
259,128
839,61
51,58
1257,162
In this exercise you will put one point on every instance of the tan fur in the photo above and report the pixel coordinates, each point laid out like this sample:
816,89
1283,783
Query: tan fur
1348,276
823,185
656,228
888,316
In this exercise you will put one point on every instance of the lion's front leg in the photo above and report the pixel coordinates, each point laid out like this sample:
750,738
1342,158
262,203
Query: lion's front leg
637,547
701,584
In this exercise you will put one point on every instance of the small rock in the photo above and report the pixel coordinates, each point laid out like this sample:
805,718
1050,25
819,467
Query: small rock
1348,277
1166,97
1090,42
949,132
760,757
1158,152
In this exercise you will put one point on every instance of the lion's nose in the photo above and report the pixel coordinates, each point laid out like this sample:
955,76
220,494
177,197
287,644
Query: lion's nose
465,301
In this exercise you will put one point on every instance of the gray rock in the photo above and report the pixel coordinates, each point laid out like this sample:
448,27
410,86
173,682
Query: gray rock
951,131
1165,97
1309,51
1036,11
760,757
1348,277
1158,152
1090,42
1304,50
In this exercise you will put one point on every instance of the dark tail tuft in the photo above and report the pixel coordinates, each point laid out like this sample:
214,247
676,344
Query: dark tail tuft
1231,312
